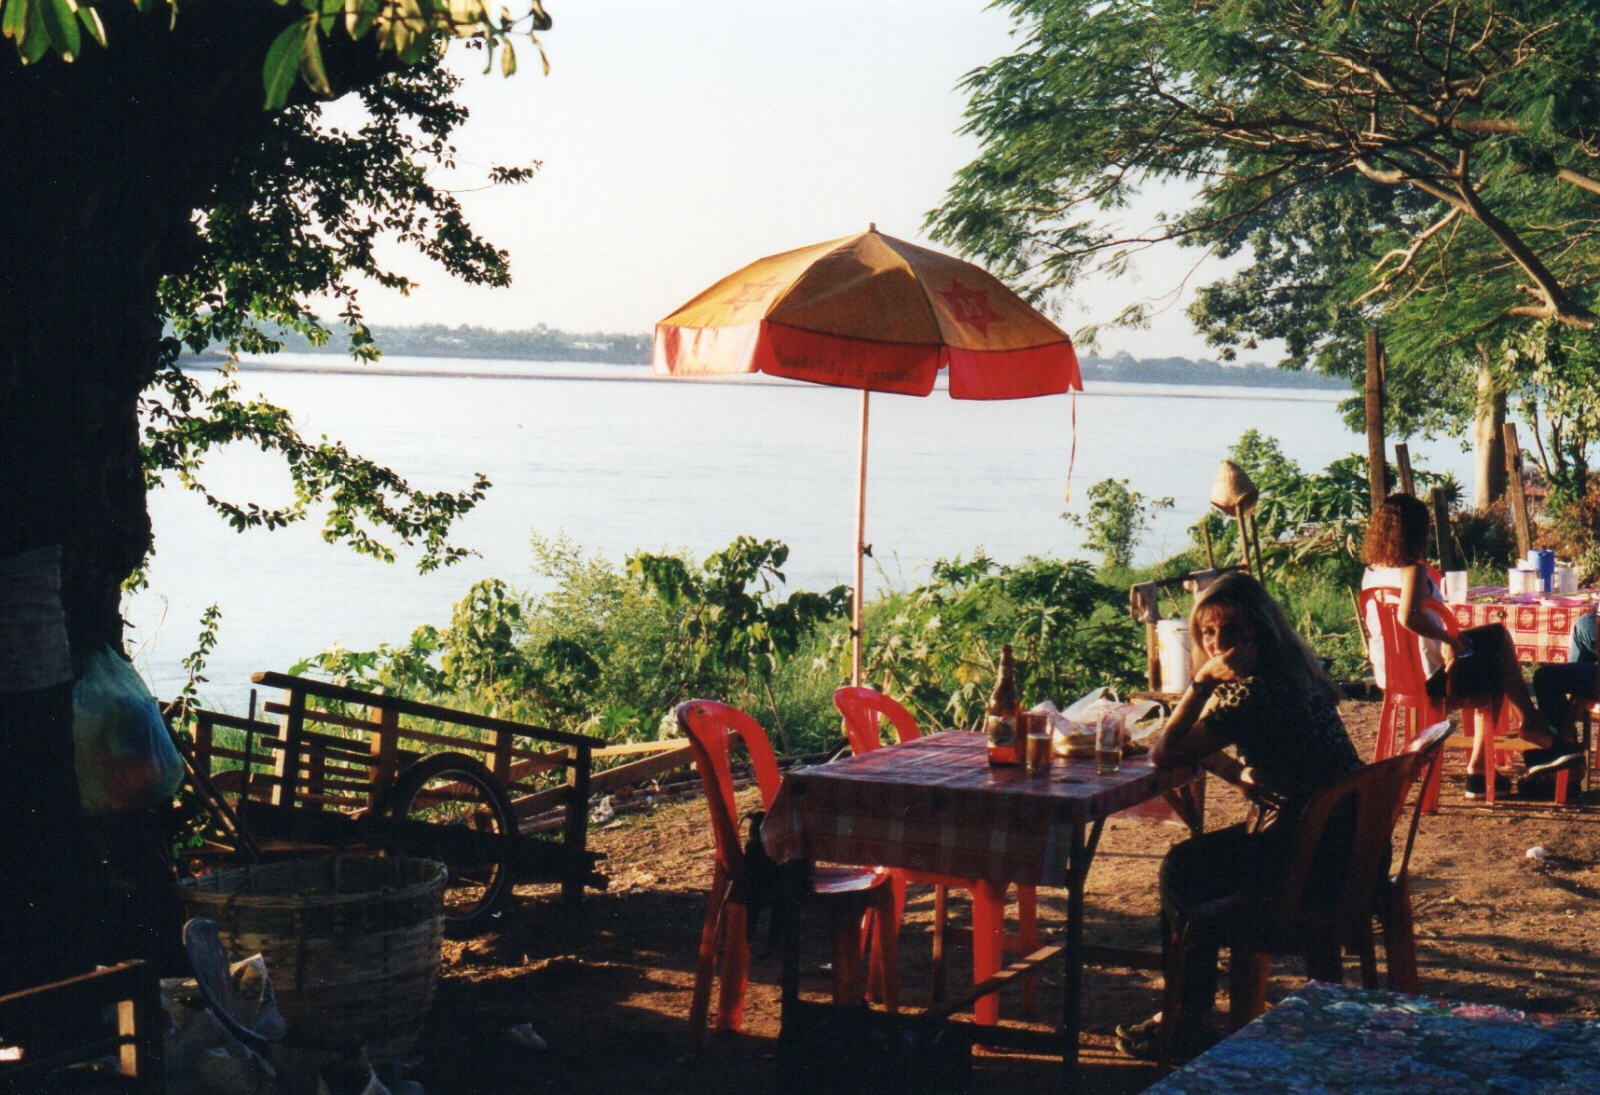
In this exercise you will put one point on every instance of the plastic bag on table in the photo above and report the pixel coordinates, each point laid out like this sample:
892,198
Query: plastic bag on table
123,755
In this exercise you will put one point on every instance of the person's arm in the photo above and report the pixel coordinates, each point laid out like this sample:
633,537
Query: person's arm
1414,615
1185,739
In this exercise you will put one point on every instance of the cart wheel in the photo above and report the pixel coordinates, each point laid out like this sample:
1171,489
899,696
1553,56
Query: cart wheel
455,789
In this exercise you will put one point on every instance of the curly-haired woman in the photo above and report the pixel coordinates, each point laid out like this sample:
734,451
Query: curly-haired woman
1476,665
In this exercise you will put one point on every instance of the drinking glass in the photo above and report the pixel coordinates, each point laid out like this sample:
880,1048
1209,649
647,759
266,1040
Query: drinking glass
1108,744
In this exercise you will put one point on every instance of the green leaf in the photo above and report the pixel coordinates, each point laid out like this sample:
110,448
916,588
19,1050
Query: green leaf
61,24
14,20
283,64
36,43
358,17
90,18
311,60
508,59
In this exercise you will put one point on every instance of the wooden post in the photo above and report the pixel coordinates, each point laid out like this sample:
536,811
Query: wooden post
1255,542
1377,468
287,766
1402,462
1145,607
383,745
574,872
1205,534
1441,530
1519,499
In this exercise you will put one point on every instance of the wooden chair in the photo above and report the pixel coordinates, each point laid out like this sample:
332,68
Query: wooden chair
65,1014
1291,920
862,710
1407,707
847,895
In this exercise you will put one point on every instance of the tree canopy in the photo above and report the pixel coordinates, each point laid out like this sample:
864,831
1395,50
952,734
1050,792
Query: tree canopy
1366,154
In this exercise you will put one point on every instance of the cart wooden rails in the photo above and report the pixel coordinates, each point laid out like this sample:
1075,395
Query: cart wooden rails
497,801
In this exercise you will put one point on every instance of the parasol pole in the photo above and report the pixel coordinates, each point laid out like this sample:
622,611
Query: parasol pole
861,547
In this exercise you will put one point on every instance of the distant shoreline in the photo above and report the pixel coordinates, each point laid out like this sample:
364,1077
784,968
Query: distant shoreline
631,352
633,372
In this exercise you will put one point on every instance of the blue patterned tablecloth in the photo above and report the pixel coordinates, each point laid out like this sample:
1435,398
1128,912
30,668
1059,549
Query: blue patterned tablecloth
1329,1038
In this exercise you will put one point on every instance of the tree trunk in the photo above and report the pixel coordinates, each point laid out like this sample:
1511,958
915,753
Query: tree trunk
106,160
1489,448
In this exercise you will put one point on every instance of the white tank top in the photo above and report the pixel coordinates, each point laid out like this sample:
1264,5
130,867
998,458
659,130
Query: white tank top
1432,655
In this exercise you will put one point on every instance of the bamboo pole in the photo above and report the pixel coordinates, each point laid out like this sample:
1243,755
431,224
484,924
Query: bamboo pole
861,547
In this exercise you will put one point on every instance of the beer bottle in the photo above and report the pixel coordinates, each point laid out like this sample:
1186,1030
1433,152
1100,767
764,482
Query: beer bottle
1000,721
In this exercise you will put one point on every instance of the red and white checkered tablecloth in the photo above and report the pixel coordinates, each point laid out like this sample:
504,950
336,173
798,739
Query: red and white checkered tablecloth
1540,626
936,805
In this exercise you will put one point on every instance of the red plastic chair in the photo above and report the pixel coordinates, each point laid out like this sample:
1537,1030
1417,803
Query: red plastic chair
1392,903
1291,920
862,709
1407,707
846,894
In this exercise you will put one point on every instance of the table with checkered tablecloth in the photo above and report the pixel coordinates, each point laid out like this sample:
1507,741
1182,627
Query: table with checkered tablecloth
934,804
1540,626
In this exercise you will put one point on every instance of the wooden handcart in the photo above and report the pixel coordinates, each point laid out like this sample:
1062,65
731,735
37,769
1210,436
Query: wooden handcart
497,801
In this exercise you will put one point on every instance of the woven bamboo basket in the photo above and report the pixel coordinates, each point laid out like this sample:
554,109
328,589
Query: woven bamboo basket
351,943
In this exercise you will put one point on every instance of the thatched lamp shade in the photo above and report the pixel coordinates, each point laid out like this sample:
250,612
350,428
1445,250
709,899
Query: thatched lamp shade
1232,491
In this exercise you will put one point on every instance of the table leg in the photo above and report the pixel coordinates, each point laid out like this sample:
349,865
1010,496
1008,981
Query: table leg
1080,856
793,880
988,945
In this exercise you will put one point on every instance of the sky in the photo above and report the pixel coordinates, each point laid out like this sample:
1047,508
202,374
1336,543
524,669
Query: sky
679,142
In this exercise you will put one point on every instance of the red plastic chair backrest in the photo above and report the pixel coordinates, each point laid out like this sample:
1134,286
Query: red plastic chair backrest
1402,658
1379,793
862,708
711,728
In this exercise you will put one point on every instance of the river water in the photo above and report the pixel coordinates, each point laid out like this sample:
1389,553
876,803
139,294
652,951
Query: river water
620,461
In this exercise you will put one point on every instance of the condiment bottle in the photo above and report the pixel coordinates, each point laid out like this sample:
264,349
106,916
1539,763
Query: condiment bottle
1000,722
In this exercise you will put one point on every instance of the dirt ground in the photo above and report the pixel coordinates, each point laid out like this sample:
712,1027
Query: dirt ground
610,994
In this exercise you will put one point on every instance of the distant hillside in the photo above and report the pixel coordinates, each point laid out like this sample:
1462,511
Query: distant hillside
1127,369
543,343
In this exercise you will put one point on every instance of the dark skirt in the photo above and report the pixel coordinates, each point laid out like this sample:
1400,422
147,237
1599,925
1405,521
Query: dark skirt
1476,675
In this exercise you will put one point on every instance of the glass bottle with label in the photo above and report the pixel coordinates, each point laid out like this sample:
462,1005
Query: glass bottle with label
1000,721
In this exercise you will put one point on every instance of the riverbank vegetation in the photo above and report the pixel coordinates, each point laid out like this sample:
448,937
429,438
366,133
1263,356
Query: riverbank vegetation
610,649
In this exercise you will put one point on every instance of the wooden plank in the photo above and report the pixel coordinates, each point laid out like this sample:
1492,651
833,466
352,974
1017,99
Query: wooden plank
1520,521
324,690
625,775
1377,469
327,718
1441,529
1402,463
638,747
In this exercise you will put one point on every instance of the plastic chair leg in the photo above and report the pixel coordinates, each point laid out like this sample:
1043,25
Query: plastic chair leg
1400,940
844,924
988,944
941,918
705,965
735,968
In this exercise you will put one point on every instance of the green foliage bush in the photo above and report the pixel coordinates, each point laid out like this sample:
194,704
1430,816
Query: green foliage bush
610,651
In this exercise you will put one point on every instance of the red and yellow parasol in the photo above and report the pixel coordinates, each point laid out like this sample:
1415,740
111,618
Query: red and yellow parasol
875,313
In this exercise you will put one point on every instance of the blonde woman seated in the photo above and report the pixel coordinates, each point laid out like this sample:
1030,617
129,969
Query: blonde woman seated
1479,664
1261,690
